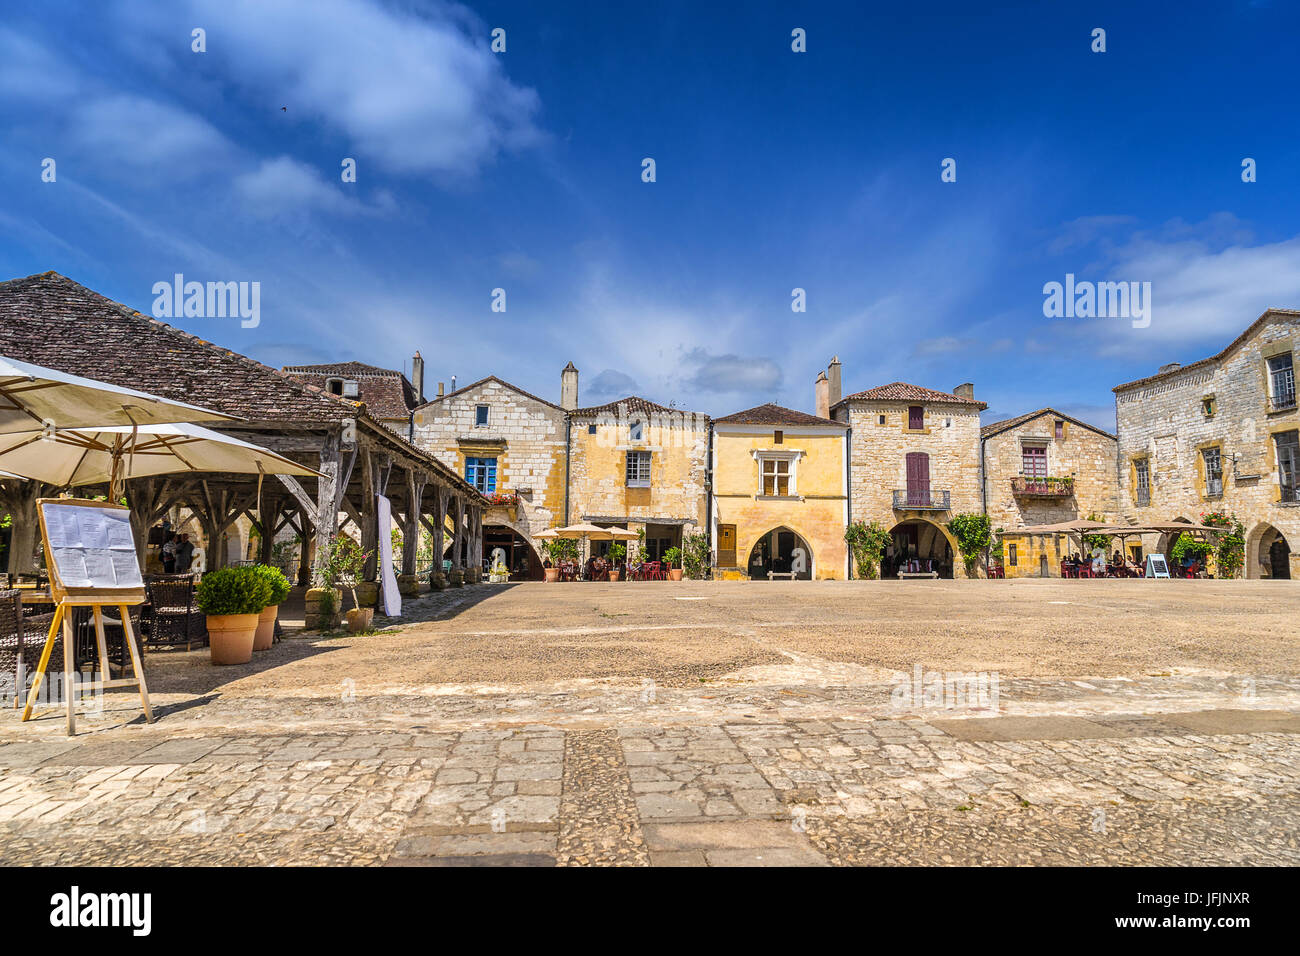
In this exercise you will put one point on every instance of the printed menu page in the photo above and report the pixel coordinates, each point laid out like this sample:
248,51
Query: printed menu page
92,547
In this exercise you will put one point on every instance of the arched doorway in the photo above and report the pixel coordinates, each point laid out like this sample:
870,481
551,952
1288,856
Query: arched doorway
781,553
519,555
918,545
1268,553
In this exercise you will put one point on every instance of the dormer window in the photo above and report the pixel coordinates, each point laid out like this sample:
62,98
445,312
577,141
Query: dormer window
334,386
480,416
351,389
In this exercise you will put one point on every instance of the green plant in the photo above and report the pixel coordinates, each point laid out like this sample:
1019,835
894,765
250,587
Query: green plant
562,549
233,591
974,538
867,542
276,579
325,604
695,556
1231,553
674,557
1097,542
1188,547
617,552
345,564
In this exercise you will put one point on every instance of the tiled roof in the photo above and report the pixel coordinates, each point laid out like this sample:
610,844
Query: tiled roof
987,431
491,378
1250,330
770,414
386,393
633,404
905,392
51,320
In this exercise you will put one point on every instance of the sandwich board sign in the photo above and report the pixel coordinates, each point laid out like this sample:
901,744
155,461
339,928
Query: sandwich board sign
91,557
1156,566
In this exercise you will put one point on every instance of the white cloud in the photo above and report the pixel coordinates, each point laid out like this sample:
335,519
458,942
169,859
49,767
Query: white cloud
134,132
413,92
284,185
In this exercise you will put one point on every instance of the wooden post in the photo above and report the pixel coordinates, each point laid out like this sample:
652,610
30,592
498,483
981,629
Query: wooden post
369,513
328,494
304,549
458,554
415,483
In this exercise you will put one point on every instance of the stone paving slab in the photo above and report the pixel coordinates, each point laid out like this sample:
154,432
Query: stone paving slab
1026,728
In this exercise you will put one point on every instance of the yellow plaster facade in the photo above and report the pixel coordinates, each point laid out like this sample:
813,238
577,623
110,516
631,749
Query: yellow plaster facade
813,506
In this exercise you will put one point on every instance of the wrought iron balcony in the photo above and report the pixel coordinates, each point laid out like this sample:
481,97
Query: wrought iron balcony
916,499
1028,487
1281,401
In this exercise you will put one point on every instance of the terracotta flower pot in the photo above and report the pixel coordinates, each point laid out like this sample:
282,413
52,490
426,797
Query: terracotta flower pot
552,574
265,635
613,574
674,574
230,637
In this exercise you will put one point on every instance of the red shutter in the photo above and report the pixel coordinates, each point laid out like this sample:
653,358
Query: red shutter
918,479
915,417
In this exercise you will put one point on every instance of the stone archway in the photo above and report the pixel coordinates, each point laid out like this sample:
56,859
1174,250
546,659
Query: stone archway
924,540
781,553
521,554
1268,553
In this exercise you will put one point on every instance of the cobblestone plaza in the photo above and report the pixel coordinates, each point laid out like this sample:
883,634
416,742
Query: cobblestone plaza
700,724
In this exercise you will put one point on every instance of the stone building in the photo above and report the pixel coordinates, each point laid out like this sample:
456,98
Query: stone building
1042,468
914,464
1220,435
389,396
637,464
779,499
511,446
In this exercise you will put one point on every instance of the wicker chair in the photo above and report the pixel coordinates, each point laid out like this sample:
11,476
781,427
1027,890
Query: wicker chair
22,637
173,617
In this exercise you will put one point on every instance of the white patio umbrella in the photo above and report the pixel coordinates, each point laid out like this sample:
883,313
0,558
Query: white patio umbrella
35,399
95,455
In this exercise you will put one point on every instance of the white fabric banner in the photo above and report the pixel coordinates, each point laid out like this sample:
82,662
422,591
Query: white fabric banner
392,598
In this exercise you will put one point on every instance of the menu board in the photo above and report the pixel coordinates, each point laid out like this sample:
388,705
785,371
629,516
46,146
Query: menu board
91,547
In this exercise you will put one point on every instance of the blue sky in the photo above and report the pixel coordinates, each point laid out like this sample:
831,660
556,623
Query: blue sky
775,170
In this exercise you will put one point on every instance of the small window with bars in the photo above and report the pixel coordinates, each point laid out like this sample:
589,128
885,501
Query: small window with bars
638,469
776,477
1213,472
1142,474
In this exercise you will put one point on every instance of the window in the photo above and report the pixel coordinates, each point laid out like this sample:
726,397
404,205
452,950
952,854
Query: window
1142,473
1207,406
778,438
1213,472
1288,464
480,415
918,479
1011,555
1060,430
482,474
1281,382
882,419
334,386
915,418
638,469
591,429
1033,461
776,477
634,431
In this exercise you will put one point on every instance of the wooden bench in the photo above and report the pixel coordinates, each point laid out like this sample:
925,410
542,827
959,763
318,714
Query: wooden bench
788,575
917,574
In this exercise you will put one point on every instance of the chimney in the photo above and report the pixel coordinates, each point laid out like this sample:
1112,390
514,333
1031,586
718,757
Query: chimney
440,392
823,390
569,388
453,383
833,374
965,390
417,376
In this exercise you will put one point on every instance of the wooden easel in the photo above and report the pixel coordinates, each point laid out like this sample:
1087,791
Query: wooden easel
98,598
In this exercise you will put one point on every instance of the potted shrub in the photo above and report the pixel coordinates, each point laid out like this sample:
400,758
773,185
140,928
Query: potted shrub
266,620
617,554
232,598
674,558
347,563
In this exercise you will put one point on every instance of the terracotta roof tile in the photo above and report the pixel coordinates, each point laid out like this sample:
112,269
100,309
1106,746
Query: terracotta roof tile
906,392
770,414
386,393
632,404
987,431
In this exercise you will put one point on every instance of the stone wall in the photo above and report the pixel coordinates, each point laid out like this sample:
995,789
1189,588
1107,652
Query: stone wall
1082,453
678,443
1170,419
525,435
